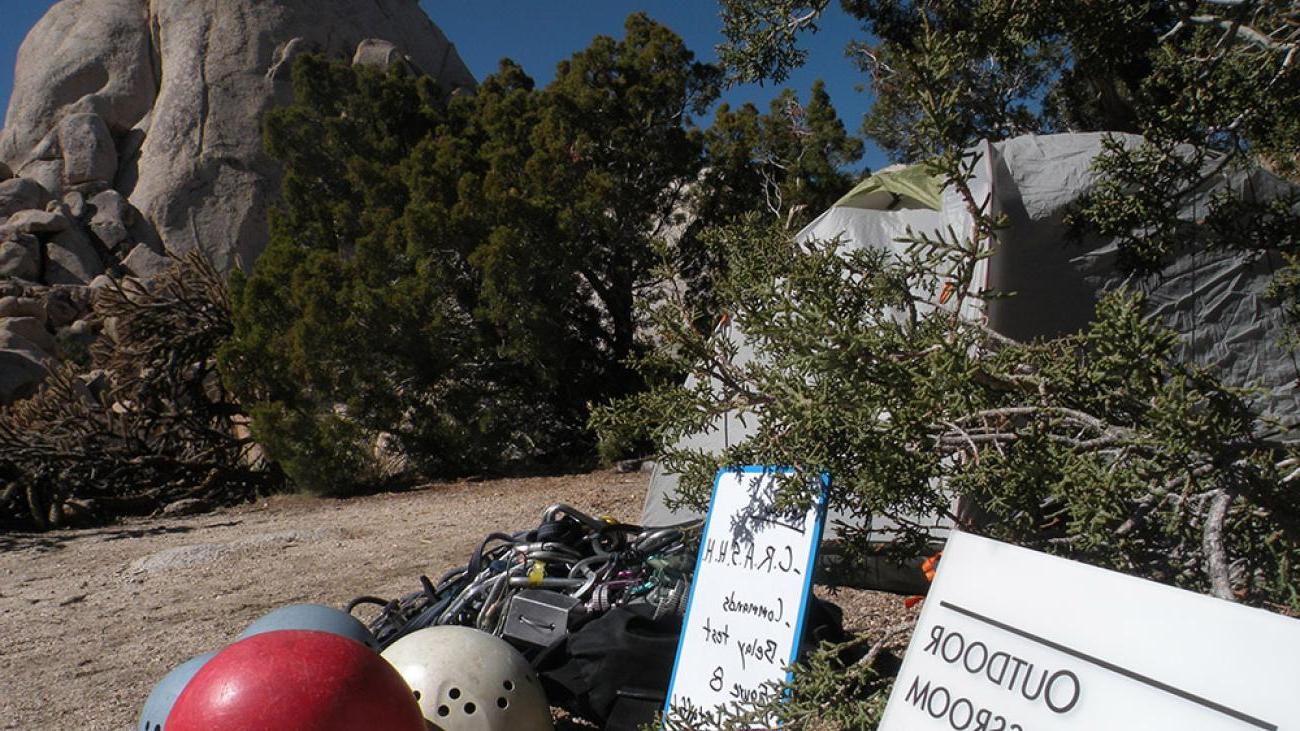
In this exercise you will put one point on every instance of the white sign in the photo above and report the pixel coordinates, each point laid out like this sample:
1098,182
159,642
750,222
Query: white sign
752,580
1014,640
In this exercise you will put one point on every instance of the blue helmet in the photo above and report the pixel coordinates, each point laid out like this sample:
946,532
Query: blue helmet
163,696
313,617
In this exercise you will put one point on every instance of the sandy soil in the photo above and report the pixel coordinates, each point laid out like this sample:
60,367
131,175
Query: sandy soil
91,619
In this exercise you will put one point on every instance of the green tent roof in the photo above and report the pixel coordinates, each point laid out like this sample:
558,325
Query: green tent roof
882,190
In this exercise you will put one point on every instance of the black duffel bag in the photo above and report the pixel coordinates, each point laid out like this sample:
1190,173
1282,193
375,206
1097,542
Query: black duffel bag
614,671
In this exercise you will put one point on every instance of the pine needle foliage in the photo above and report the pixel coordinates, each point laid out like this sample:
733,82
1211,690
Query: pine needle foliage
461,275
144,424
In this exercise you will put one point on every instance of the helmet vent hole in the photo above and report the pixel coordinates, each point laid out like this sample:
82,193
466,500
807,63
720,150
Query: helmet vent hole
508,685
454,693
502,702
444,711
470,708
416,693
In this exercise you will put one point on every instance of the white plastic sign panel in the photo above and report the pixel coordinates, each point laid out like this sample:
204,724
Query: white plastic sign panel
752,580
1015,640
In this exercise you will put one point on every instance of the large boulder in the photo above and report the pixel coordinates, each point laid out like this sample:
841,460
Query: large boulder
89,153
20,375
183,86
12,306
20,257
112,218
65,304
14,331
21,194
82,56
147,265
35,222
378,53
72,259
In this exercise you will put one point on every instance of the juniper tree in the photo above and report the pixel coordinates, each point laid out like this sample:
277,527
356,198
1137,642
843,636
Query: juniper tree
462,273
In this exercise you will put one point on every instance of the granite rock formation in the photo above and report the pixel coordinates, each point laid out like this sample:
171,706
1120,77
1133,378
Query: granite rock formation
134,133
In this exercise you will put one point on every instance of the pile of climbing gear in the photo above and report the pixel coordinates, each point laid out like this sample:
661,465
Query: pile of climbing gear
593,604
579,612
536,586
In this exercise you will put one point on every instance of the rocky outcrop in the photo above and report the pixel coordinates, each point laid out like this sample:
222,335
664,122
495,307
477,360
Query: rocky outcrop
163,100
133,136
37,325
93,56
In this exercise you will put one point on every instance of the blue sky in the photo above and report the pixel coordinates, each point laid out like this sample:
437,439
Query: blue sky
540,33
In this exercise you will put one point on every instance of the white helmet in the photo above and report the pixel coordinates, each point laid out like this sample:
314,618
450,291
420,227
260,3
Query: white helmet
467,680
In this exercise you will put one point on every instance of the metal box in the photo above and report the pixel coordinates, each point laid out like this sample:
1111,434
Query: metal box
540,617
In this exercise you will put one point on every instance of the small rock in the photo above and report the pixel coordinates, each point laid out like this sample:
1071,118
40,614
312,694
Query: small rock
74,599
31,329
88,150
112,218
187,506
76,203
147,265
21,194
66,304
83,393
20,376
110,328
97,381
376,52
82,328
179,557
20,256
20,344
60,312
628,465
35,222
71,259
22,307
80,512
100,282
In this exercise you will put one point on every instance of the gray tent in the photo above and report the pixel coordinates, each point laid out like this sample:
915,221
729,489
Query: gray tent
1215,301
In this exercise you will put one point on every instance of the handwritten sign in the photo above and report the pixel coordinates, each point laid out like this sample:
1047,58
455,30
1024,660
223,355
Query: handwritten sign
752,581
1014,640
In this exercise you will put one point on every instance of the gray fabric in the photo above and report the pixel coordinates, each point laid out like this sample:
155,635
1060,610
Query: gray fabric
1215,301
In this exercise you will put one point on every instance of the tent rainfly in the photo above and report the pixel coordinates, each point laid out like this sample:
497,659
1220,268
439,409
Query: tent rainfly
1214,300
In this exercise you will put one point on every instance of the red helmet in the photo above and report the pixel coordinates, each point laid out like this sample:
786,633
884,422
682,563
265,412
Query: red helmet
296,680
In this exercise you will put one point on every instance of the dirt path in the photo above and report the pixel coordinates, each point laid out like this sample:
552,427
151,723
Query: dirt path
90,619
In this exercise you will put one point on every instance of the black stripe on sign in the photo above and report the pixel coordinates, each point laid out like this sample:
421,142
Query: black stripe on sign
1131,675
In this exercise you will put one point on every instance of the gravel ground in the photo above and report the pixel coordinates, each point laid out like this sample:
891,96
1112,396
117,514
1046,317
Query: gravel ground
90,619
